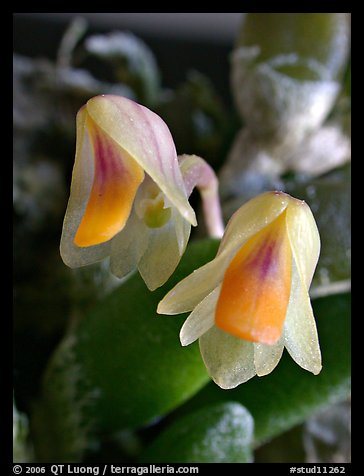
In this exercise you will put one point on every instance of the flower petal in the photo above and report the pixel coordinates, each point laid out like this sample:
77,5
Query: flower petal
229,360
81,185
196,172
201,318
256,287
146,137
183,230
117,177
128,246
304,238
162,253
189,292
300,333
266,357
252,217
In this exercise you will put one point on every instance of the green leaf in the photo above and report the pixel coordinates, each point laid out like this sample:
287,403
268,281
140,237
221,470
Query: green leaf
289,395
134,356
219,433
122,367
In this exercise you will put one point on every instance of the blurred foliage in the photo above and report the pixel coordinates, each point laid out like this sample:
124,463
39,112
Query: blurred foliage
132,63
329,197
323,437
327,436
319,35
22,451
121,339
122,336
285,89
220,433
199,121
96,372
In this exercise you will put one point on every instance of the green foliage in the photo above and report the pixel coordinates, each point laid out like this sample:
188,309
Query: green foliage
121,367
220,433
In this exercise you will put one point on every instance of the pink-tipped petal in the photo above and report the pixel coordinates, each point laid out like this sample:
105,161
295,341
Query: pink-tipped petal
117,177
147,139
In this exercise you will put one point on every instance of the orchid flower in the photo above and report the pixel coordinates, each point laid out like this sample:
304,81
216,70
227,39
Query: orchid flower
128,199
252,300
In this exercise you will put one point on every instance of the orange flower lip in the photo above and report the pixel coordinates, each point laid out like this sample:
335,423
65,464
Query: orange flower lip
116,180
256,287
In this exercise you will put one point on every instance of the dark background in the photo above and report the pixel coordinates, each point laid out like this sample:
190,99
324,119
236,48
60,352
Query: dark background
180,41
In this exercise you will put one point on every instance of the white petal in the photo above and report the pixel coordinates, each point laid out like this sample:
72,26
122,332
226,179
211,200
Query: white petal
251,218
128,246
300,333
304,238
266,357
82,179
229,360
189,292
182,229
201,318
163,253
146,137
